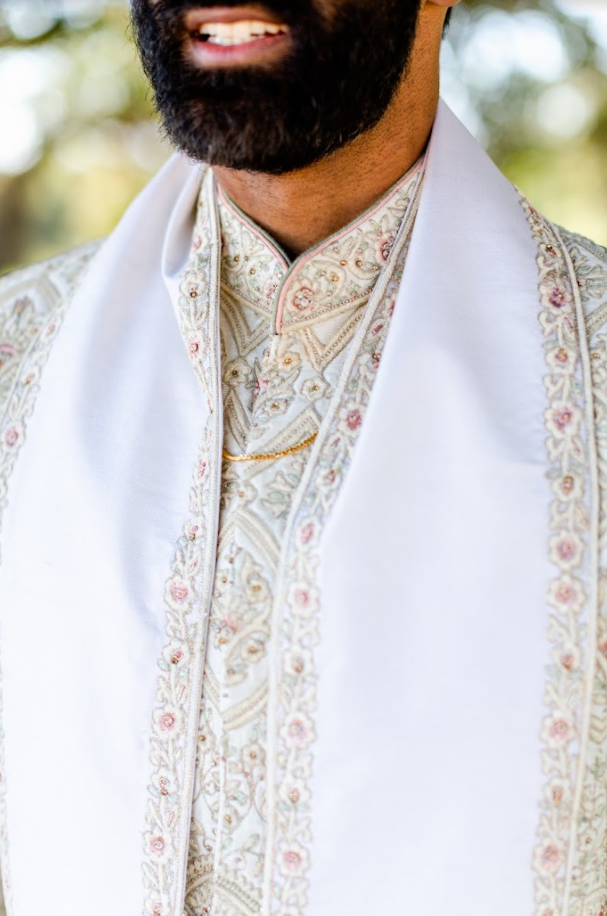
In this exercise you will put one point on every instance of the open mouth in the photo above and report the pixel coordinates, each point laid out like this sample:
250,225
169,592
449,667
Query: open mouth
224,36
232,34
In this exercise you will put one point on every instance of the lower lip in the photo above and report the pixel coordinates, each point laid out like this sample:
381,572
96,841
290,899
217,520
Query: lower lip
260,50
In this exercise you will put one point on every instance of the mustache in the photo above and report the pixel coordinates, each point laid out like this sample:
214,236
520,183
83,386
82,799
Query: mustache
286,10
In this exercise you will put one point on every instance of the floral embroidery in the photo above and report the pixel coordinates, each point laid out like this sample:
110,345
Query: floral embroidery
589,868
303,298
176,716
557,881
343,273
292,735
29,325
276,391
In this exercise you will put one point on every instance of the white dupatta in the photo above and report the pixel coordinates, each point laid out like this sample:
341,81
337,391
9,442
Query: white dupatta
418,727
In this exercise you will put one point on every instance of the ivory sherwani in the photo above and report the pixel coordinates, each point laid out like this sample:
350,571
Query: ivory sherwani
370,676
285,333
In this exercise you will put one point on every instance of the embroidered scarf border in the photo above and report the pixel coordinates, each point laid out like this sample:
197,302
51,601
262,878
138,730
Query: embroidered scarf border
559,861
187,594
291,729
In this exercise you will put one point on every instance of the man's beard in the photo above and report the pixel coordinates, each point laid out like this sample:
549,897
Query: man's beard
334,84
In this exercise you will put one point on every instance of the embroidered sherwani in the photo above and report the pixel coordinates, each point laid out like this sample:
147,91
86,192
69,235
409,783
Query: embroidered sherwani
367,676
285,332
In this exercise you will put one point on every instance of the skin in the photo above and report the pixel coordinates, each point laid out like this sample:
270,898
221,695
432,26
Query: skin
303,208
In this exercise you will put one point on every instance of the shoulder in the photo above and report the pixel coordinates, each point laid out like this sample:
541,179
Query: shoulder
590,265
29,300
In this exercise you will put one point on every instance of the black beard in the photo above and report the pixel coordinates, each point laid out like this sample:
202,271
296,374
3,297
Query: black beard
335,84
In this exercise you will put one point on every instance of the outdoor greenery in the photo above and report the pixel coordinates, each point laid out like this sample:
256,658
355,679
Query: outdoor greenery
79,137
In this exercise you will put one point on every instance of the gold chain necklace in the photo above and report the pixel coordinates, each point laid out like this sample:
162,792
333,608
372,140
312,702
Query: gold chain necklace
268,456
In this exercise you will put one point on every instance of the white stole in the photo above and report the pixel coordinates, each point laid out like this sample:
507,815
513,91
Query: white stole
426,786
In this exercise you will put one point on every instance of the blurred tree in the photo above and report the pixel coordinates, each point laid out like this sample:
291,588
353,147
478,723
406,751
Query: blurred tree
79,136
533,83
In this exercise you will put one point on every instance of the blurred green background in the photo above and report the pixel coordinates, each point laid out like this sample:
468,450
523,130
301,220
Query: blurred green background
79,137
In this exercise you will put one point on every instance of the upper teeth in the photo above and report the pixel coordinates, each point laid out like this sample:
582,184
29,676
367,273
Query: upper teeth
235,33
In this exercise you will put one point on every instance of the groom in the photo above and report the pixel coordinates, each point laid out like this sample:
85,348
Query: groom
302,503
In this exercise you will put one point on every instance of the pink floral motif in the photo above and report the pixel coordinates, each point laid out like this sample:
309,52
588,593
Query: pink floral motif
175,655
158,846
6,352
162,783
167,721
179,591
303,299
354,419
307,533
295,860
295,793
562,419
298,662
551,857
558,297
385,247
558,731
566,550
292,860
11,437
566,594
301,597
565,386
157,905
298,731
560,359
568,488
556,793
567,660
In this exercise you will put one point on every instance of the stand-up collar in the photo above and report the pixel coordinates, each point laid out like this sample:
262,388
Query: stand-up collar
335,275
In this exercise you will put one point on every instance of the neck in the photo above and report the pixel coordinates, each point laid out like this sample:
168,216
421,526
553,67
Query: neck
301,209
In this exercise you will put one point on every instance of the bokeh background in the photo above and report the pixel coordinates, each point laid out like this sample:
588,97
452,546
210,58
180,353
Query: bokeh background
78,135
